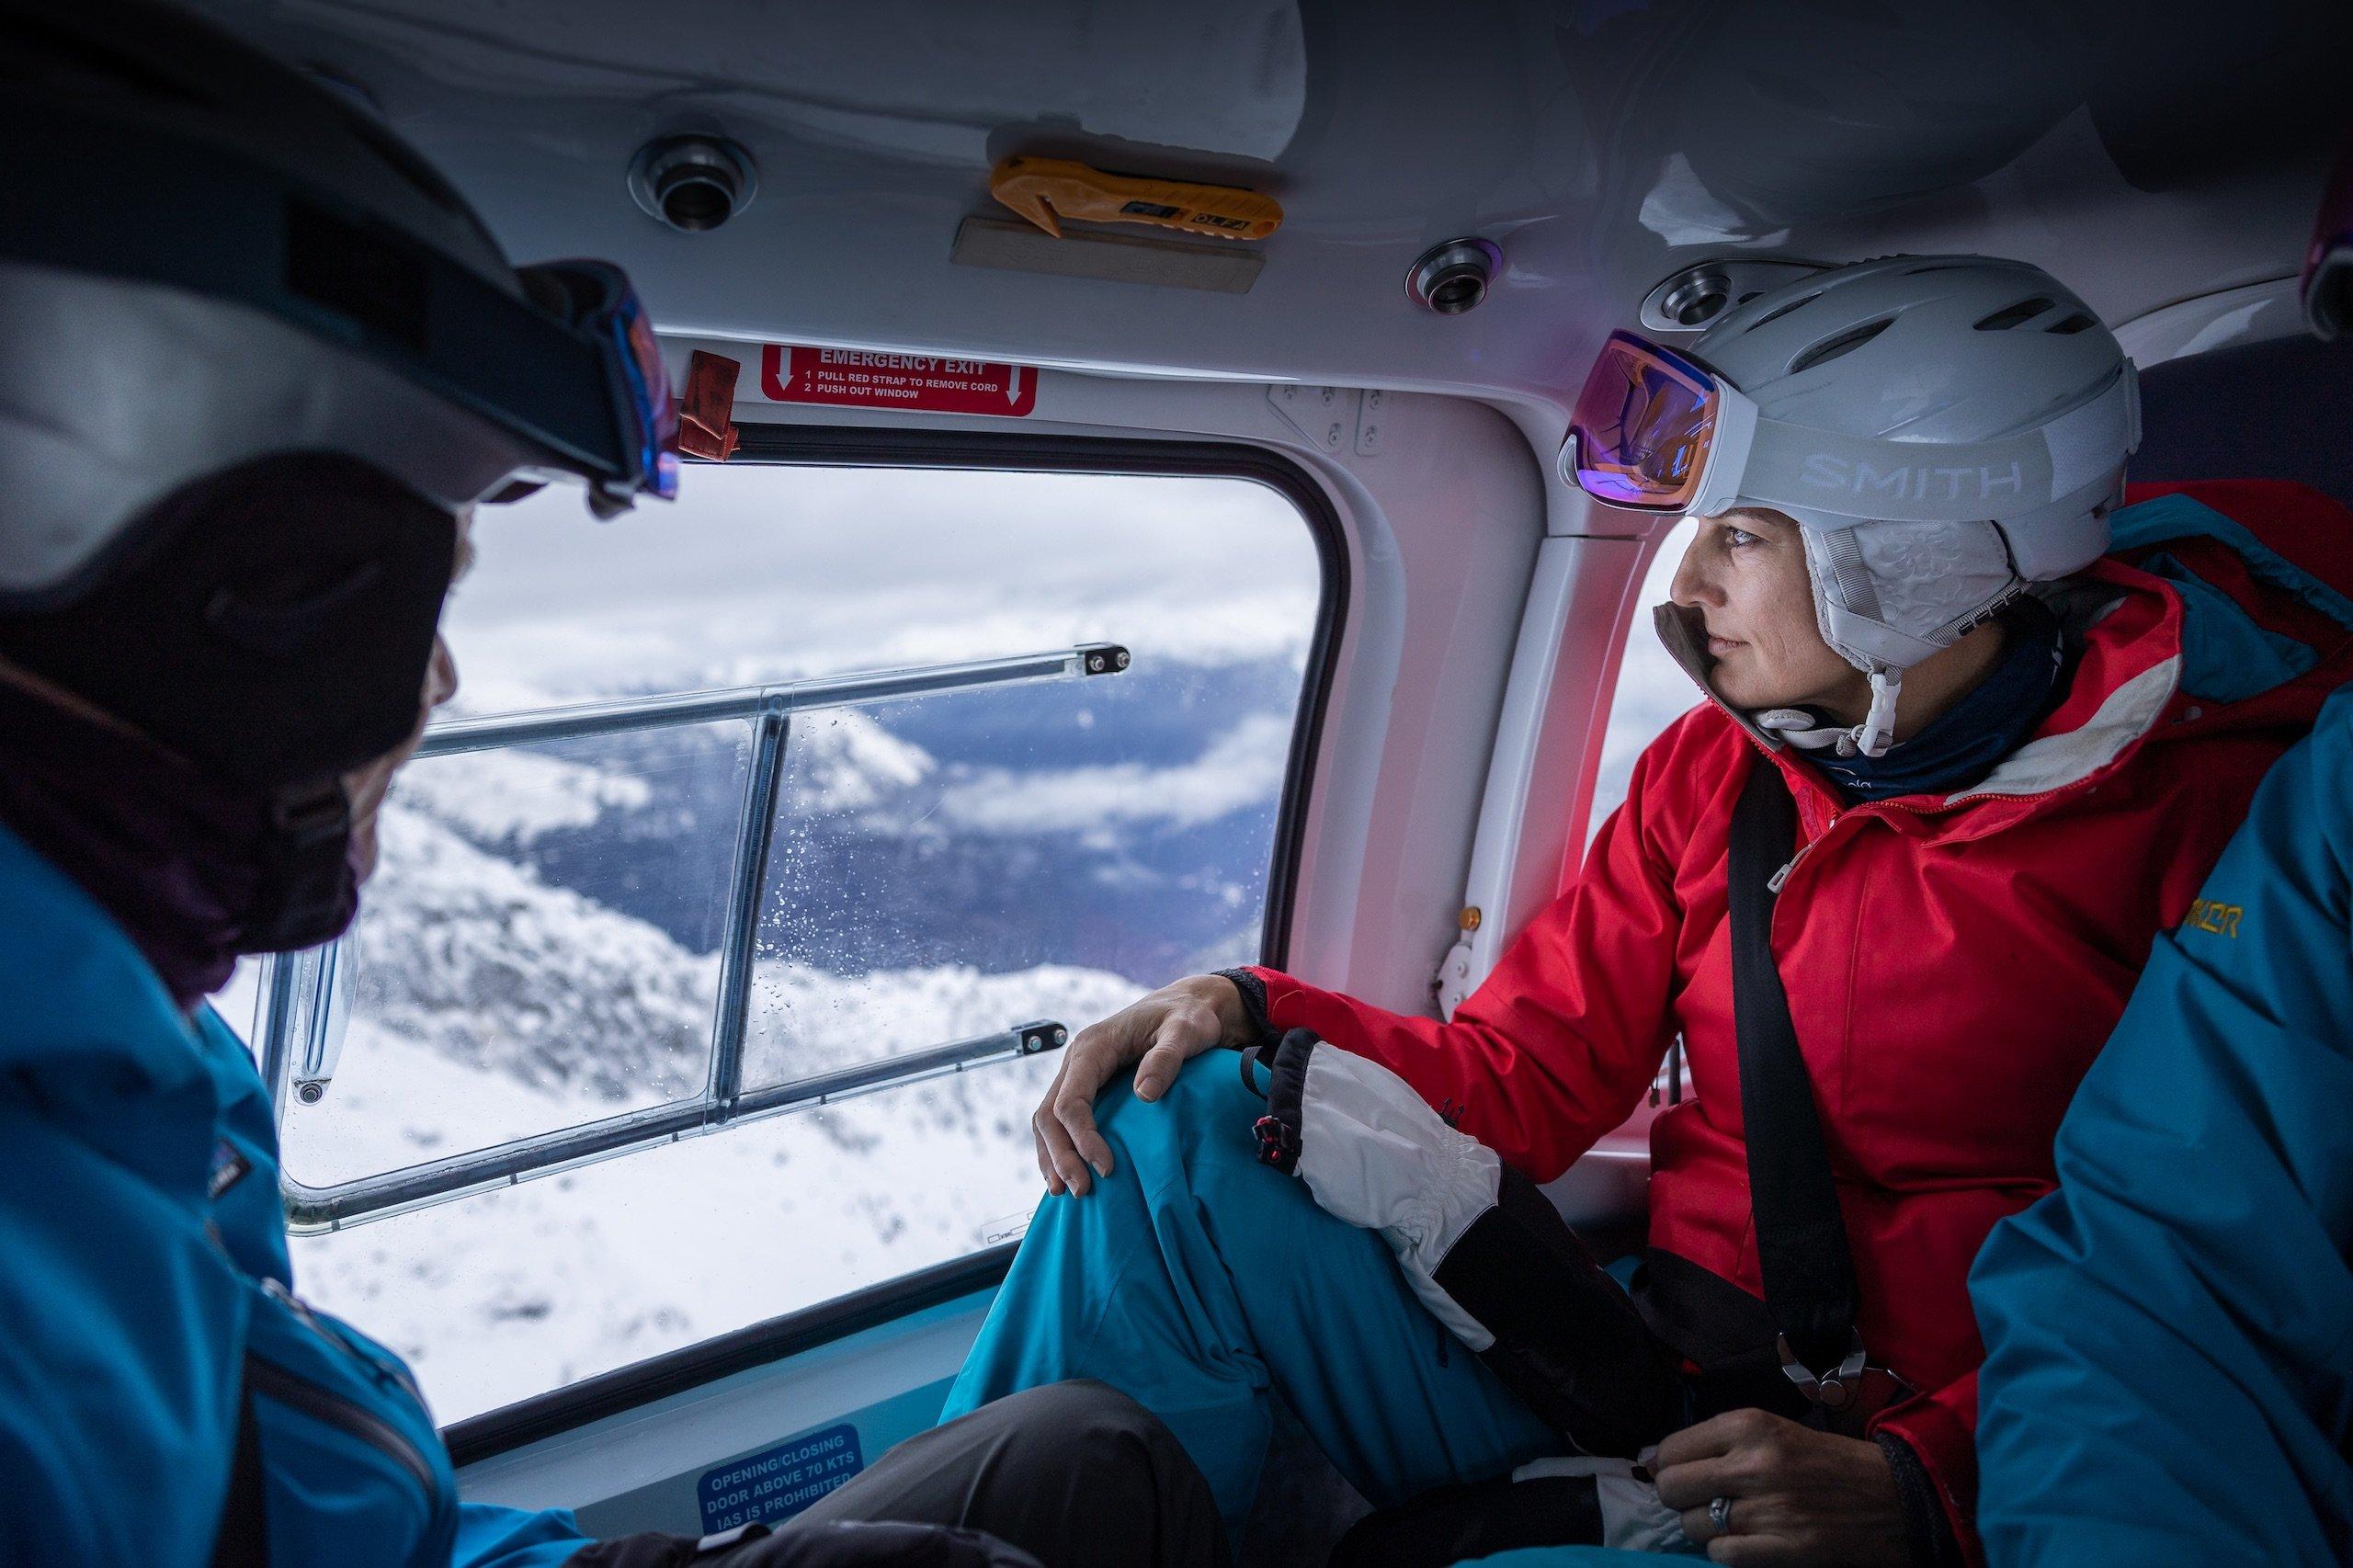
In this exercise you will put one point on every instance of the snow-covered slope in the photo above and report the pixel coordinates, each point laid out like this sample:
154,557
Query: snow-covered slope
492,1004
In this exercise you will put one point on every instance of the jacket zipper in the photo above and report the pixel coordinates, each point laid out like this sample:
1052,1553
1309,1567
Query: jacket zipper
329,1408
1773,883
377,1367
334,1410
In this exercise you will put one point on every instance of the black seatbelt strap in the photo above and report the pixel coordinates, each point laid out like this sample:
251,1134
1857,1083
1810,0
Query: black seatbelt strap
243,1541
1801,1235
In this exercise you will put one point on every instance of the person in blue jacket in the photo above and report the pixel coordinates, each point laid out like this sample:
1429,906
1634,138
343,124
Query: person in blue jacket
2169,1337
258,365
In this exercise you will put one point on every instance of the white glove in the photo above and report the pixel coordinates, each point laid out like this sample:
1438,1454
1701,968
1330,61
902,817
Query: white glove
1632,1517
1374,1153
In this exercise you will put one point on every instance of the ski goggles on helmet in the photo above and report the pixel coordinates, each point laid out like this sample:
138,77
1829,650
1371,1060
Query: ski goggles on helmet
1655,430
565,367
600,306
1646,427
235,312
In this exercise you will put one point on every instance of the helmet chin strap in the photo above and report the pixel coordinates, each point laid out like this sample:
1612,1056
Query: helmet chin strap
1877,732
1797,727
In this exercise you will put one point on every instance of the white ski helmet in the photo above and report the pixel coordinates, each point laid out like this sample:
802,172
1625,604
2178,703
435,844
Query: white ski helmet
1944,430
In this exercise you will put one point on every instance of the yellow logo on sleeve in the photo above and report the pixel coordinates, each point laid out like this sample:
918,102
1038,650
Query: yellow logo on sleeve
2213,916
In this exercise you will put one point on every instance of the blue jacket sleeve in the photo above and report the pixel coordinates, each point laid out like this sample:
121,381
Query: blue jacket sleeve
2169,1337
117,1389
490,1535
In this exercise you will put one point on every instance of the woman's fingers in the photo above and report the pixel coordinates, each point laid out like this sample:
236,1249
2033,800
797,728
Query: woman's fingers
1065,1123
1057,1155
1158,1034
1700,1482
1076,1111
1179,1036
1046,1171
1717,1435
1758,1525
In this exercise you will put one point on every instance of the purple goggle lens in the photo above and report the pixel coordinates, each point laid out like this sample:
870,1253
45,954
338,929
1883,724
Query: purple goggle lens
1641,426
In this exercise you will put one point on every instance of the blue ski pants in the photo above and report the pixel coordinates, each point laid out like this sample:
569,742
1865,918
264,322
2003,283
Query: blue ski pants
1202,1283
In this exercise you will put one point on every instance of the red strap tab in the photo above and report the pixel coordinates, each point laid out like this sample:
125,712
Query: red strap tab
707,414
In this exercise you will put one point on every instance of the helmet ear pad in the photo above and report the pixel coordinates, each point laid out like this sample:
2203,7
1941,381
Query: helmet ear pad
272,623
1889,594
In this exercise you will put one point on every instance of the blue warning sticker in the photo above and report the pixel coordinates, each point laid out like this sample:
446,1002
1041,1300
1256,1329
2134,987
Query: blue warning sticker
778,1483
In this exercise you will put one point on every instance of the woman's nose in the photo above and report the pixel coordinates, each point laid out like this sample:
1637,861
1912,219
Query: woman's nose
1692,586
440,675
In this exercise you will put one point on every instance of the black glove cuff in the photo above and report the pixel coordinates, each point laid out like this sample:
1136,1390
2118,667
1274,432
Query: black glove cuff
1254,1005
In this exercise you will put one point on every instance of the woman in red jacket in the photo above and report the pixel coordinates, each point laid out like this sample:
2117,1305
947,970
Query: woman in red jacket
2017,725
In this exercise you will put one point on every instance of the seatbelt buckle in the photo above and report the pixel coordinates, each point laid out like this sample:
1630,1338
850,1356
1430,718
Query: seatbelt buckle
1834,1389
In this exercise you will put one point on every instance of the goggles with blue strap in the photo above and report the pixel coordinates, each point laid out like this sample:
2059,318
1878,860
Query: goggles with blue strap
216,309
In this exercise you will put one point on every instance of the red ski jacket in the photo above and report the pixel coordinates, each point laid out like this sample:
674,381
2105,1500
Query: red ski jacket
1952,964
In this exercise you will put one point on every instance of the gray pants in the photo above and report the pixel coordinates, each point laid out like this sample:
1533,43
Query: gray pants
1074,1474
1068,1475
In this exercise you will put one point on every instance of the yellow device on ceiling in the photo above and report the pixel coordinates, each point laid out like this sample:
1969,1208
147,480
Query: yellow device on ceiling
1046,189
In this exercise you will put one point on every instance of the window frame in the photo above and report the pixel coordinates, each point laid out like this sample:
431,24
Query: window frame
304,997
536,1417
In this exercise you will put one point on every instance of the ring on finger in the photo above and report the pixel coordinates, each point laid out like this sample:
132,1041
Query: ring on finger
1719,1516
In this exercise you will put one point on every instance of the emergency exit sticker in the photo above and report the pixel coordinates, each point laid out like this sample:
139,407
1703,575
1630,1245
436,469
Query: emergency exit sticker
778,1482
857,378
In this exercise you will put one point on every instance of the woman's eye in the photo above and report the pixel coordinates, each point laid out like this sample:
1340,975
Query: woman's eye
1740,539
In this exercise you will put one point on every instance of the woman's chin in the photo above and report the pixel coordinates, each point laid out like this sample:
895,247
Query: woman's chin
1737,686
359,852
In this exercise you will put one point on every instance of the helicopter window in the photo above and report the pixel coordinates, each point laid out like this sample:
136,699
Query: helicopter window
678,864
1652,691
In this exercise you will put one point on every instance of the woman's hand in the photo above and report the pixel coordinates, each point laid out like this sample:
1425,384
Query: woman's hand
1158,1034
1798,1495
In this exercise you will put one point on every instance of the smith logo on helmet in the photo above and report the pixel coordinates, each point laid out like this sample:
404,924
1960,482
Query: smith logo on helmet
1914,481
2222,919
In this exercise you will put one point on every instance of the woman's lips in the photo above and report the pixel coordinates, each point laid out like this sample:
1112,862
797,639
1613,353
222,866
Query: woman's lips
1719,646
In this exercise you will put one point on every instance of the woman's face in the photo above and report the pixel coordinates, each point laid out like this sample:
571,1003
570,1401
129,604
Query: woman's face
365,787
1745,576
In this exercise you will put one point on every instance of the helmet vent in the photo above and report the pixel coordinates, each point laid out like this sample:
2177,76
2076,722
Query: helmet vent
2009,316
1846,342
2071,325
1777,311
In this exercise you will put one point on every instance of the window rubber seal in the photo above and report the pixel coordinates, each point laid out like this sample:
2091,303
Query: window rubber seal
547,1414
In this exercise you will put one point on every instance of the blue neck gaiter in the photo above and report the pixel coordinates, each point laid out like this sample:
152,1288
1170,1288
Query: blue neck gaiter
1962,744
